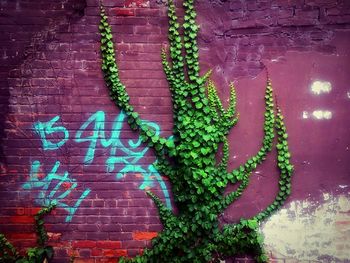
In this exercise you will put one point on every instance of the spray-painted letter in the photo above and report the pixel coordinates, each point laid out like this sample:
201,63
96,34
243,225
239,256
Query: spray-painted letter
45,128
54,188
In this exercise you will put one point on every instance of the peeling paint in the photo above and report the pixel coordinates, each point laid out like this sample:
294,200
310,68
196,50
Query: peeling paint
318,115
308,230
322,114
305,115
318,87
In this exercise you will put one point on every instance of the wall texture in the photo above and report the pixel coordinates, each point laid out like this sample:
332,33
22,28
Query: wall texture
63,140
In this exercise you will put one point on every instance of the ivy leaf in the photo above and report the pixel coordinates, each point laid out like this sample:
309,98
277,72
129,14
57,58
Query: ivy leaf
154,139
194,155
206,137
135,115
205,150
280,158
206,109
199,105
170,144
199,81
195,144
289,168
192,35
209,128
187,45
198,124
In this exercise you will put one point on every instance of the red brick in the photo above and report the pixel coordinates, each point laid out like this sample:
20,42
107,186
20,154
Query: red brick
122,252
115,252
21,236
109,244
144,235
96,252
84,260
107,260
33,210
20,211
22,219
109,253
84,244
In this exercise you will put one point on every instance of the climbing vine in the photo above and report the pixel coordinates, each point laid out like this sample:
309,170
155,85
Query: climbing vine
8,253
188,158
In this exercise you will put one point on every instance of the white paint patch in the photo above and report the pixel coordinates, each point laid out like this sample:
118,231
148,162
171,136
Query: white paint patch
318,115
318,87
348,94
322,114
305,115
326,196
307,230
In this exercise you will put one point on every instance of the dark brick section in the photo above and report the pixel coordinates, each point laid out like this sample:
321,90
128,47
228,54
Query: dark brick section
249,32
50,66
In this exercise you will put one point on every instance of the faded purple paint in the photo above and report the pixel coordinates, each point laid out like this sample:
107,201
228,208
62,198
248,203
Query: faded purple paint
320,148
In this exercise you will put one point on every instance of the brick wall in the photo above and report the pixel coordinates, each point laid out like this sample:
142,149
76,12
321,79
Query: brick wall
62,139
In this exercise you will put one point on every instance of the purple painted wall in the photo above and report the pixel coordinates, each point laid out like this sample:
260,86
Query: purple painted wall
50,71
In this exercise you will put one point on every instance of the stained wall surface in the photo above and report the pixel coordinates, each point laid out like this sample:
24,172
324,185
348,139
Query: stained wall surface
63,140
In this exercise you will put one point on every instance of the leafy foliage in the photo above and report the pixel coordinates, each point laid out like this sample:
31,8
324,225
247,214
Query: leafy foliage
8,252
188,158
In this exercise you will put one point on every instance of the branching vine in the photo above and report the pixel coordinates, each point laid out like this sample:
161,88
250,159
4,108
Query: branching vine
188,158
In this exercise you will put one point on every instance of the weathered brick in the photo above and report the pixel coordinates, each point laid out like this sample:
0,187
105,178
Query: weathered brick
85,253
123,11
154,12
147,30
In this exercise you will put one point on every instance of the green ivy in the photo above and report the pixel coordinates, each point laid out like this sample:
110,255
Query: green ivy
188,159
8,253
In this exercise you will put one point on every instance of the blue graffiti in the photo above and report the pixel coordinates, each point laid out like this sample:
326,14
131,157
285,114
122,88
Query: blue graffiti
54,188
128,154
45,128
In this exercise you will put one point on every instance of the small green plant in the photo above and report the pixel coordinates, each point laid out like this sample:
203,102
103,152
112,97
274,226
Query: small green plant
188,158
8,252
